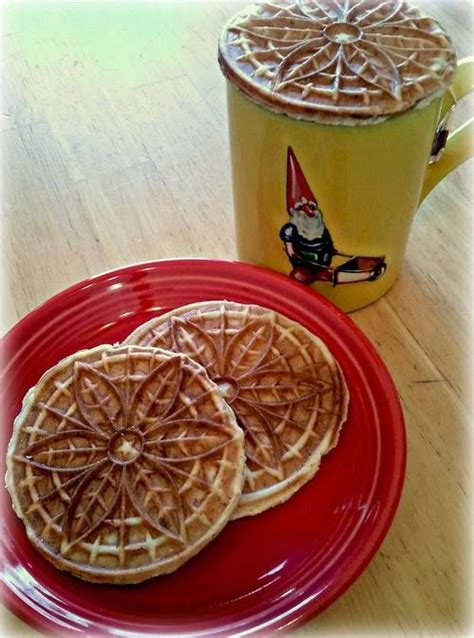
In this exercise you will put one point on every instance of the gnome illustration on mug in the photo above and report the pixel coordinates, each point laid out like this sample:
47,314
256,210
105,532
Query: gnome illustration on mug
308,242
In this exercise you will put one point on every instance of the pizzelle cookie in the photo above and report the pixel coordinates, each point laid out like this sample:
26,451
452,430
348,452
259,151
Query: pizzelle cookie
285,387
124,462
312,59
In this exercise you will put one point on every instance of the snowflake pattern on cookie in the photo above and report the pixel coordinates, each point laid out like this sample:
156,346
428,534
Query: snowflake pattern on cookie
356,58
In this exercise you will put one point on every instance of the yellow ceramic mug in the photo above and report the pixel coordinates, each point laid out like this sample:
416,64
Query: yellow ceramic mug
359,185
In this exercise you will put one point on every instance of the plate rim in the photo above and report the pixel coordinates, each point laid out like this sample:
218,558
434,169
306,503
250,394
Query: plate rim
296,615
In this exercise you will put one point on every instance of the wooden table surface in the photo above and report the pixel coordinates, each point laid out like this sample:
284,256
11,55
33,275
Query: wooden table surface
115,149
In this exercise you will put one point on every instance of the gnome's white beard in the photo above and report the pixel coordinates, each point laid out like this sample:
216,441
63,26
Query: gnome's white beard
308,227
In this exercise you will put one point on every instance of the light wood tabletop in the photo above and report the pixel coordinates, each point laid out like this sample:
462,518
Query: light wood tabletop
115,151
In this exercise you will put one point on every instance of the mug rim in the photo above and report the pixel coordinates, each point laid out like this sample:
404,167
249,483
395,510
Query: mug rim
336,121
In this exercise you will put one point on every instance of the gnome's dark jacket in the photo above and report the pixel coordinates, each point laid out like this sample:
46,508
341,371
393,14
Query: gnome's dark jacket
318,251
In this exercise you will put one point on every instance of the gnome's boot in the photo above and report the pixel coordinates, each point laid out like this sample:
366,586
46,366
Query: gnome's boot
307,275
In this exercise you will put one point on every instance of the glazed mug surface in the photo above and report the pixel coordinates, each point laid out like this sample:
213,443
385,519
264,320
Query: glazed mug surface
331,205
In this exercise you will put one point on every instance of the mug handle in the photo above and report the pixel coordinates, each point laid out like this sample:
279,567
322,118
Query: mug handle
460,144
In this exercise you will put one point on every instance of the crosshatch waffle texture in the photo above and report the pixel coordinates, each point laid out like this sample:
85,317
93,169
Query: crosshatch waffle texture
124,462
285,387
349,58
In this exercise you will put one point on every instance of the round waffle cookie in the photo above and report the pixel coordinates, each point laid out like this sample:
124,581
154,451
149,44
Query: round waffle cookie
124,462
286,389
316,58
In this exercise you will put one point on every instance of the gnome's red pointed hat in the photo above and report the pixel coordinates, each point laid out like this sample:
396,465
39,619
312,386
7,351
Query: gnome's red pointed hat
297,187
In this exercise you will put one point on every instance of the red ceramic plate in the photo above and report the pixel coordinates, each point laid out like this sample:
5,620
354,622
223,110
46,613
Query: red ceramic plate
264,573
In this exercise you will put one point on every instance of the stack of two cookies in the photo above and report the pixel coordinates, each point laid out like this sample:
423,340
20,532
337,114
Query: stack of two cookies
126,460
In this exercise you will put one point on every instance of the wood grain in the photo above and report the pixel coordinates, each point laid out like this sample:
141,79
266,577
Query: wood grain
115,151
